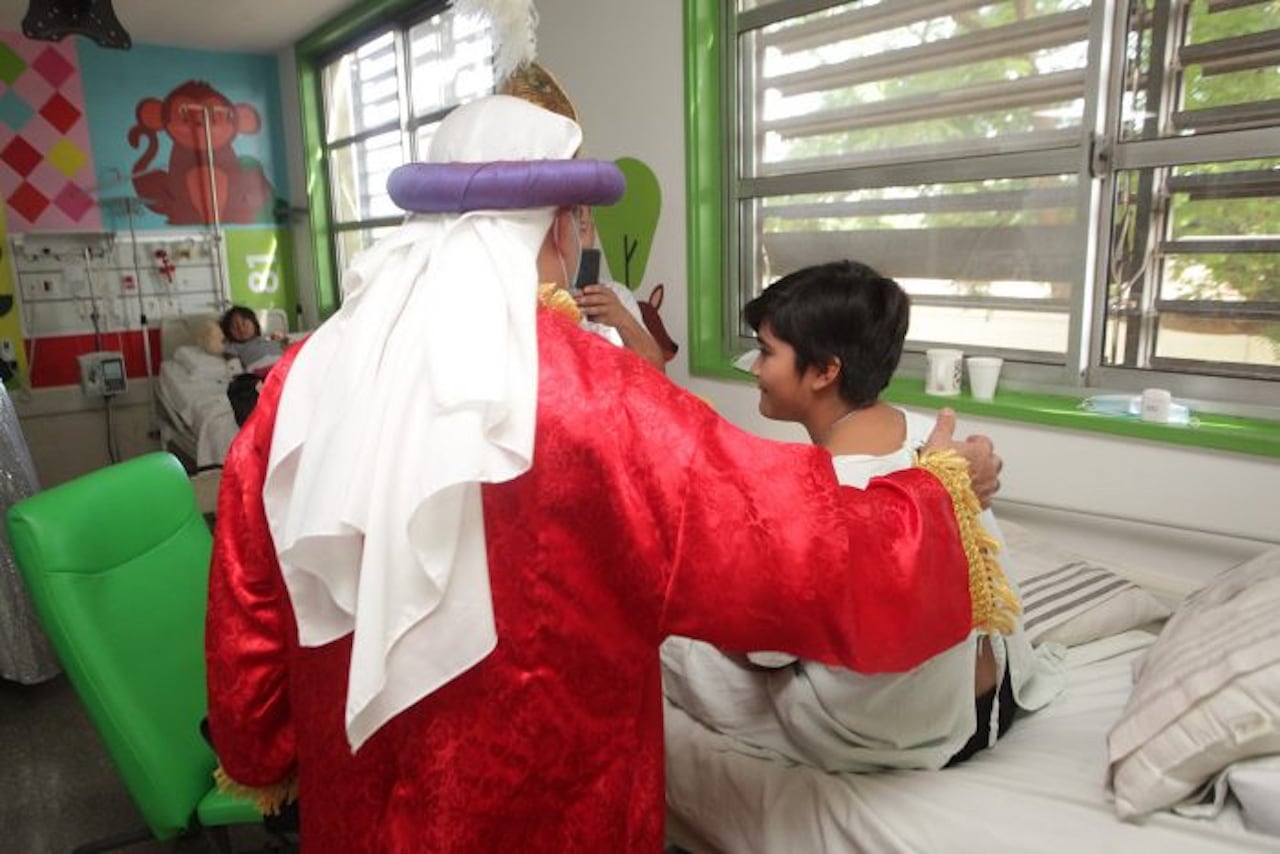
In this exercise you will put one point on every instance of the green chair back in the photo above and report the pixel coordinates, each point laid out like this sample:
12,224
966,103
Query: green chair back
117,566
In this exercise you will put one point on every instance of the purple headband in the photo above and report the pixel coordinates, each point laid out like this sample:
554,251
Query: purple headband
504,185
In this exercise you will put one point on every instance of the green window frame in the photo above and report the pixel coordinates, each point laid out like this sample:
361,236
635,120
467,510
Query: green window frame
347,201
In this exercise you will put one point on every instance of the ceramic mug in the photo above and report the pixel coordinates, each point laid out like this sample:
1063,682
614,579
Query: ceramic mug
944,371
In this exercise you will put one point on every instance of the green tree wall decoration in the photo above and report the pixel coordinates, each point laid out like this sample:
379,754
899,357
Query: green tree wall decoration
626,228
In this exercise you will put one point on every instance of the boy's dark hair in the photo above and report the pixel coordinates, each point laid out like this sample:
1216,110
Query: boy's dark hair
239,311
842,310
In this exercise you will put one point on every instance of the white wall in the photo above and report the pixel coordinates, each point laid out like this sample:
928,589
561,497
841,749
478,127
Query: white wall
622,63
66,431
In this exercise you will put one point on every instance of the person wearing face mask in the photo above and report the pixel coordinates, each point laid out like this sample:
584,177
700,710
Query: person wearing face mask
608,308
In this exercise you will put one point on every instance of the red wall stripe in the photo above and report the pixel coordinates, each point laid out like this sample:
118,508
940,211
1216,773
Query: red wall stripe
55,363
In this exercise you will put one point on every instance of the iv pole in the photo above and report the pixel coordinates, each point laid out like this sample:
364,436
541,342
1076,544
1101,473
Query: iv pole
142,311
93,299
222,294
113,449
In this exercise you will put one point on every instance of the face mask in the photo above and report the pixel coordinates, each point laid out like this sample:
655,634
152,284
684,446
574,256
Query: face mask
1130,406
569,280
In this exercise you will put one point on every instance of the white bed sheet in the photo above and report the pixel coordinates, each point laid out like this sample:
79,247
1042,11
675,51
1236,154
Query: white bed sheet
199,405
1040,789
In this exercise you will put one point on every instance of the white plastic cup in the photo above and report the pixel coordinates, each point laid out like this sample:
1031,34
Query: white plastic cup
984,376
1156,405
942,376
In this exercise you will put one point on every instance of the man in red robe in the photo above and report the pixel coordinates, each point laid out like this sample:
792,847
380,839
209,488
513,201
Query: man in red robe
456,528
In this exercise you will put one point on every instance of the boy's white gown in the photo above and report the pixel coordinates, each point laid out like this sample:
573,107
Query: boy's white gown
775,706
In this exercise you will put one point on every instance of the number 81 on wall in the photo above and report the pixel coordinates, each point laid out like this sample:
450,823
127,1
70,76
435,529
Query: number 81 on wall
264,277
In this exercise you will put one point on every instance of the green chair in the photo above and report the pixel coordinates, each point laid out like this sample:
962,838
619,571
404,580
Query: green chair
117,564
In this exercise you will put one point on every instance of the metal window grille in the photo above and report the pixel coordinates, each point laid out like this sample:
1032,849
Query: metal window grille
1086,188
383,98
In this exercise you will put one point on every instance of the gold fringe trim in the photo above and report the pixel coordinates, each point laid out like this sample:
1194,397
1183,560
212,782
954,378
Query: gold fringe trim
558,299
995,606
268,799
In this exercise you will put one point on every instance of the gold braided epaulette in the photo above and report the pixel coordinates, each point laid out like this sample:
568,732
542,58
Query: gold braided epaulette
268,799
559,300
995,606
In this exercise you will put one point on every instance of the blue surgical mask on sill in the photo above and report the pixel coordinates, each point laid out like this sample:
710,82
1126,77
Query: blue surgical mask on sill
1130,406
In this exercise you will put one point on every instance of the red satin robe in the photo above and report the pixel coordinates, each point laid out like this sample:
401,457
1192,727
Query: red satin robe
644,514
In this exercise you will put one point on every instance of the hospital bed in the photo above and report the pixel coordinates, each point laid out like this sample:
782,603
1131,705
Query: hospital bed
1041,788
196,419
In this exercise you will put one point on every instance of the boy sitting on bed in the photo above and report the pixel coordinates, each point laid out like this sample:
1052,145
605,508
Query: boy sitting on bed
830,338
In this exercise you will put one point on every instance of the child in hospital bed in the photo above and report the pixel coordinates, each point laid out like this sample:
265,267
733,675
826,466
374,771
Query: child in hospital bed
257,352
830,338
245,341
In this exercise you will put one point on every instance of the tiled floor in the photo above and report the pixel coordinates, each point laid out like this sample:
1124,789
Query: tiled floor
58,787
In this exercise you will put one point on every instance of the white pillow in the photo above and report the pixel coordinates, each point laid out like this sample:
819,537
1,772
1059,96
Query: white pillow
1206,695
1256,786
1071,599
204,365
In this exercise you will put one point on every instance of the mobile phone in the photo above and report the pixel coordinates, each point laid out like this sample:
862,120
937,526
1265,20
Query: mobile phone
588,269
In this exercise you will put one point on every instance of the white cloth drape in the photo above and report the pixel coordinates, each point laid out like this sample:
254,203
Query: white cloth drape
420,388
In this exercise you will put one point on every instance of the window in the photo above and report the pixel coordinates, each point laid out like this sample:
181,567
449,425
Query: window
1088,189
1193,282
382,99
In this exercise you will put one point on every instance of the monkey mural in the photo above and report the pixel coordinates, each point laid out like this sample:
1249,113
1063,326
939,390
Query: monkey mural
198,118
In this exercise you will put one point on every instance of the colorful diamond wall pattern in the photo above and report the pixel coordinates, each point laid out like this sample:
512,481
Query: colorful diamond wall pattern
60,113
66,157
46,163
11,64
21,156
